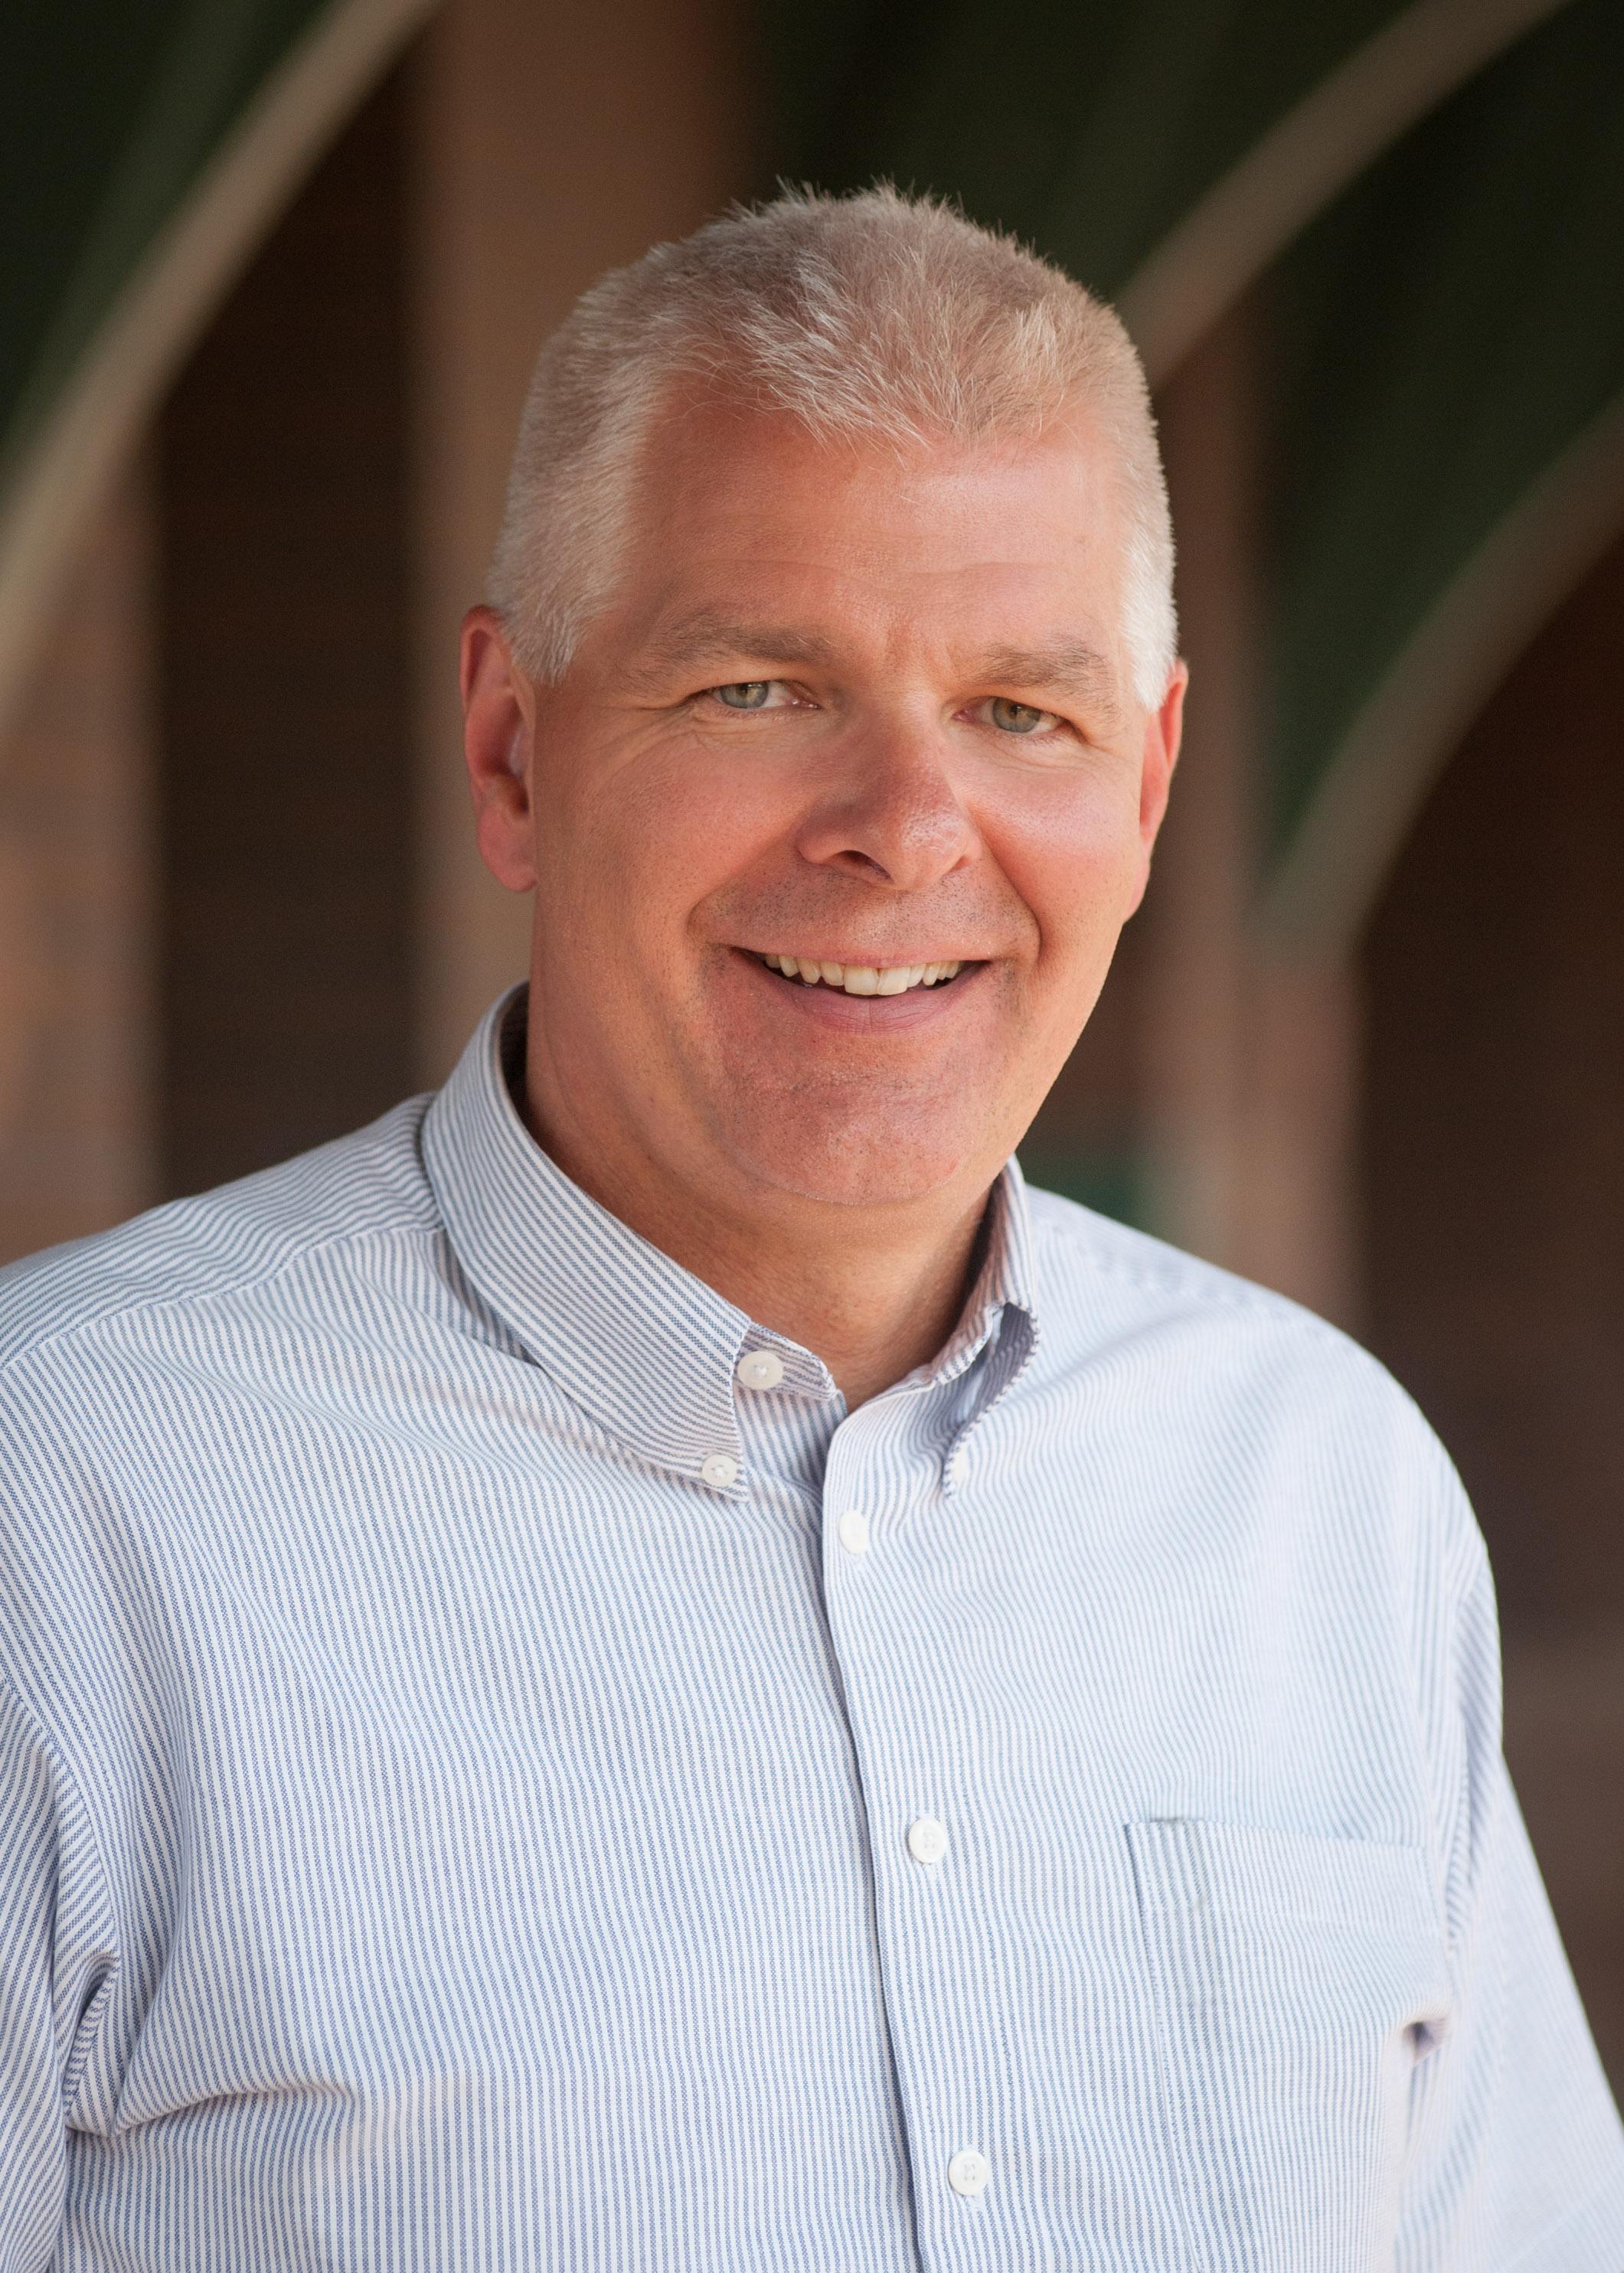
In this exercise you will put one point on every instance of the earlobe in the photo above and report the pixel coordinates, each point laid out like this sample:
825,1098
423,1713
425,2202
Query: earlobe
498,721
1136,899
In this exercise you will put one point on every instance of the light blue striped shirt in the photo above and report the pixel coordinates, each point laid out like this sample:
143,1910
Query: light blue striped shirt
499,1769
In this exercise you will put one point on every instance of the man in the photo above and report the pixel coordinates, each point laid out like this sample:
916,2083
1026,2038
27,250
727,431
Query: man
650,1663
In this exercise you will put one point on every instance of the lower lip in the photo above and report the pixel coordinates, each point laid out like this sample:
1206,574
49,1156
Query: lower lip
864,1014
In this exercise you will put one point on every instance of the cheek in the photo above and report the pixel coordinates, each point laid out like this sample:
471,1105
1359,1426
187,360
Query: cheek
660,837
1071,852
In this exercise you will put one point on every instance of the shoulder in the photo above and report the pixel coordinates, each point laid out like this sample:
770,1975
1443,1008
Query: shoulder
191,1253
1096,1271
1232,1366
1070,1238
1117,1273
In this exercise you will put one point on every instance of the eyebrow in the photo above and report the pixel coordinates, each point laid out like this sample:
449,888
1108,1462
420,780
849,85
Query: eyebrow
1066,667
709,637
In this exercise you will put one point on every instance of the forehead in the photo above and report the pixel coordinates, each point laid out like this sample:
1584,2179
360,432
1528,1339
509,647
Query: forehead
743,514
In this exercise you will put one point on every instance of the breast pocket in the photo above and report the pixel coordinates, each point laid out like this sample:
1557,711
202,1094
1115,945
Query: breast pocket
1298,1981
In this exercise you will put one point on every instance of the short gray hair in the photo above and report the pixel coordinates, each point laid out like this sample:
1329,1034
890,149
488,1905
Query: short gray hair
874,315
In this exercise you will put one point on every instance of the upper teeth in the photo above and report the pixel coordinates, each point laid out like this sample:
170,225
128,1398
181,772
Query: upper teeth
863,978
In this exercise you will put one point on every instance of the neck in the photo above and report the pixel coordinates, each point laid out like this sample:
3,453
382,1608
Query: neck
873,1292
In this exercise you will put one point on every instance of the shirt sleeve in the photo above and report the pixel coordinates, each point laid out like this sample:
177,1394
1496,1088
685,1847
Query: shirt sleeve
1518,2151
58,1959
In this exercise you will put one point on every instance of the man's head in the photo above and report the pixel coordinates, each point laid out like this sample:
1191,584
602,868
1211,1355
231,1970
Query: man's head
831,620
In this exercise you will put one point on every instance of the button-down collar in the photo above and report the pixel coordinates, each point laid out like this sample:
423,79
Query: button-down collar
644,1346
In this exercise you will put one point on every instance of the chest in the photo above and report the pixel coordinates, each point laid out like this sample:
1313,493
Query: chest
663,1882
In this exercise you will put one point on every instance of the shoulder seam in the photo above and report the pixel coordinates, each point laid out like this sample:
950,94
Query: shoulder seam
49,1337
1189,1275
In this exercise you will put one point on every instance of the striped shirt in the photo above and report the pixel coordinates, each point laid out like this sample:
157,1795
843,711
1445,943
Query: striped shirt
500,1770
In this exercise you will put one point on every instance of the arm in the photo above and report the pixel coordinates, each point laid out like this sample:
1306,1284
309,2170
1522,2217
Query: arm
58,1958
1519,2155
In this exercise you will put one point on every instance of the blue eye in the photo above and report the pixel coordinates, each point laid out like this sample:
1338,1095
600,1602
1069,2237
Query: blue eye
744,694
1016,718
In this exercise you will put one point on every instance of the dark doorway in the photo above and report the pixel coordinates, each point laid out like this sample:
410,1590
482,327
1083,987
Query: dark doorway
1495,1160
286,797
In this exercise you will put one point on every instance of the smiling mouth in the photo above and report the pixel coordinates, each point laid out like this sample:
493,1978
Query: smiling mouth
863,978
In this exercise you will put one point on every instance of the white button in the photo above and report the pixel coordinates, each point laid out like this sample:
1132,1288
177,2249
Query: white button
718,1469
967,2174
926,1840
853,1530
760,1368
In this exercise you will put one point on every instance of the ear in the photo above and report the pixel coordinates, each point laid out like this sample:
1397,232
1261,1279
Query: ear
499,743
1164,730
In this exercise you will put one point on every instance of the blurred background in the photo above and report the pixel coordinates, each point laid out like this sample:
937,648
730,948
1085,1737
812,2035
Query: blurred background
273,274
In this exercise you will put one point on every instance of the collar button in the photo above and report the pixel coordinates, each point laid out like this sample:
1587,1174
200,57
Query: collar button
852,1530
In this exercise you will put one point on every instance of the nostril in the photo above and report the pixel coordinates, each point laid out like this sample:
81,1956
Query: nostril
866,865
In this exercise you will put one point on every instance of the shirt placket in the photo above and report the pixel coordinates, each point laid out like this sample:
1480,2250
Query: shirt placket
883,1480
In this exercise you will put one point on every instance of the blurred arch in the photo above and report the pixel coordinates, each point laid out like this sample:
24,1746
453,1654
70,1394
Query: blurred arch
1315,903
166,302
1374,782
1249,216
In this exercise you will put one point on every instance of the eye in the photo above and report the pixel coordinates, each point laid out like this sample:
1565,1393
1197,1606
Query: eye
748,695
1017,717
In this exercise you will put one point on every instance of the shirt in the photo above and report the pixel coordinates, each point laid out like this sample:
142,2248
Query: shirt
500,1770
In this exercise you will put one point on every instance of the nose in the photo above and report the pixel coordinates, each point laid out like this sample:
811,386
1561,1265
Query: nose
892,818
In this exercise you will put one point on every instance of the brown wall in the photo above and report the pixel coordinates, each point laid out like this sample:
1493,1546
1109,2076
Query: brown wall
79,899
285,803
331,467
1493,1119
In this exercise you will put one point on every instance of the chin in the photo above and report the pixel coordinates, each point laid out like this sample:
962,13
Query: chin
860,1164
